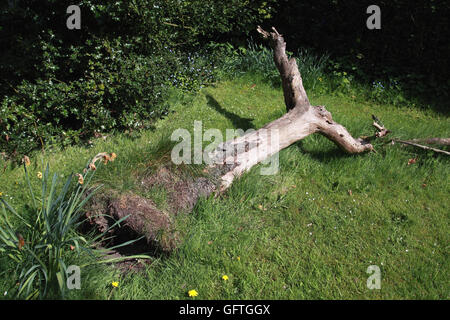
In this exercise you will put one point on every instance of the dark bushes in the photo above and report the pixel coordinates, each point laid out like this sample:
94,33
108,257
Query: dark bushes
61,85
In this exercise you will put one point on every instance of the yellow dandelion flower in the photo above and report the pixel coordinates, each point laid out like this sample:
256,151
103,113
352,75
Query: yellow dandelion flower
115,284
193,293
39,175
225,277
238,258
1,194
80,178
26,160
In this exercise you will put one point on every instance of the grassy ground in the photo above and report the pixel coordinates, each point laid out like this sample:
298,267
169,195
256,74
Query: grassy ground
299,234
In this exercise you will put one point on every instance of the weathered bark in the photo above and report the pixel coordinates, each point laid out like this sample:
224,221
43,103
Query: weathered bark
294,92
301,120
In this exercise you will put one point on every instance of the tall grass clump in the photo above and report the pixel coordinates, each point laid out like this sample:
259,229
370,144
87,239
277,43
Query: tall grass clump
44,240
320,73
257,59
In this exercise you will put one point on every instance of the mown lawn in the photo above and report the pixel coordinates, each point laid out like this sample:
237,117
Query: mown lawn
308,232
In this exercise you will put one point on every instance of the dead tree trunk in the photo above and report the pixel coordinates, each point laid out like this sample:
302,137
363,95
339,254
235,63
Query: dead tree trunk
232,158
301,120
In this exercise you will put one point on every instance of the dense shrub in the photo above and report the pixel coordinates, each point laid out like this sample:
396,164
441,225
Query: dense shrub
116,90
61,85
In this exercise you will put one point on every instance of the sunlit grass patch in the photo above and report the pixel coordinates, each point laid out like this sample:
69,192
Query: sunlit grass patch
309,232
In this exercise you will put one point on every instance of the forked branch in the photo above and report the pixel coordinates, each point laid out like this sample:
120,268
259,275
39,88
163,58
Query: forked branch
294,92
301,120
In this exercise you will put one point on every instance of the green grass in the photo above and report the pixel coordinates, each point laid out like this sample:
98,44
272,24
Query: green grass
295,235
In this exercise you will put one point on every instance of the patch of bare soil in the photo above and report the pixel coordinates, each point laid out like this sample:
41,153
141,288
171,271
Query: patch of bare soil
183,190
144,219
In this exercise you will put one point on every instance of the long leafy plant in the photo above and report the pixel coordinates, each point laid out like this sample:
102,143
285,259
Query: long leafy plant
42,242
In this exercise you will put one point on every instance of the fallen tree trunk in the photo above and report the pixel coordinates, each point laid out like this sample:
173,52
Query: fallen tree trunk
301,120
232,158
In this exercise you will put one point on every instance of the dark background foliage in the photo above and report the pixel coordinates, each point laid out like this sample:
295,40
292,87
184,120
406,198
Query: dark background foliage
62,86
412,45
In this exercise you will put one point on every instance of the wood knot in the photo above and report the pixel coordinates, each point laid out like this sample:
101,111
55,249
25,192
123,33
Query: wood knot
324,113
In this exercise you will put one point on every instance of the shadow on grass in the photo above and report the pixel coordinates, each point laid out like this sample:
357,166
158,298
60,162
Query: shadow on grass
238,122
333,152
